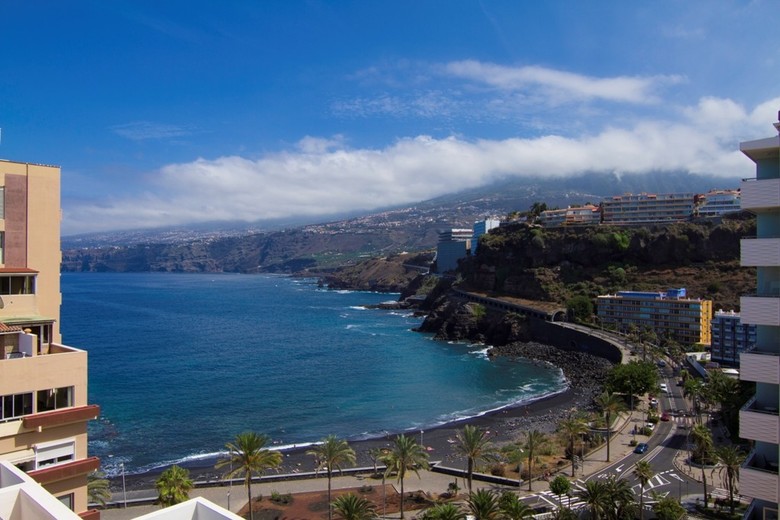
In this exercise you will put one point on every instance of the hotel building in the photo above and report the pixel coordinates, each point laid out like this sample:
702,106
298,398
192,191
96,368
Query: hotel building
716,203
43,383
670,314
453,245
758,419
480,228
587,215
730,337
647,208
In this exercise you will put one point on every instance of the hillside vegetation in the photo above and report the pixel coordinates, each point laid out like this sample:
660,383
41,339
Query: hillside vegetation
557,264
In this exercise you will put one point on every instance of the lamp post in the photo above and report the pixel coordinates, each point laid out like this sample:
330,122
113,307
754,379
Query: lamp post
124,486
230,484
421,439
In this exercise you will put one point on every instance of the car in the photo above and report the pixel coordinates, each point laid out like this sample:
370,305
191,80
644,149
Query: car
653,402
650,426
641,447
661,363
665,417
664,388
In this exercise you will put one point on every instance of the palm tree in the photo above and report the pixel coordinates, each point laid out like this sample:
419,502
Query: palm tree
596,496
332,453
483,504
570,429
534,440
731,458
610,405
474,444
173,486
98,491
248,455
446,511
620,497
353,507
694,390
643,473
703,446
564,513
512,508
405,455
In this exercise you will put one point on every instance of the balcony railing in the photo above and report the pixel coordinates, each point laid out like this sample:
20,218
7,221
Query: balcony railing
757,194
758,477
759,421
761,308
760,366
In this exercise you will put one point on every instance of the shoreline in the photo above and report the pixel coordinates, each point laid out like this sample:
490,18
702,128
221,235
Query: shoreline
505,425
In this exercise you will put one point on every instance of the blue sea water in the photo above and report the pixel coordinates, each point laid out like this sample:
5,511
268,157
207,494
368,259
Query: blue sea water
181,363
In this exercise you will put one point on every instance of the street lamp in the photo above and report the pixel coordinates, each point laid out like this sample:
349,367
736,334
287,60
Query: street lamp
124,486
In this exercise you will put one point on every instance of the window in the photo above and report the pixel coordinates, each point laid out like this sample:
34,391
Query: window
54,399
67,500
52,454
15,406
17,284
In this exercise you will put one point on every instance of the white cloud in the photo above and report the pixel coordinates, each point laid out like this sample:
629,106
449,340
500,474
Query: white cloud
561,85
325,176
143,130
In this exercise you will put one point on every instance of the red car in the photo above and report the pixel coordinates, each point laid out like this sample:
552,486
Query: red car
665,416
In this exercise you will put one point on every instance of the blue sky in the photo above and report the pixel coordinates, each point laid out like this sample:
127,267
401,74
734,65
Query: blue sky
171,112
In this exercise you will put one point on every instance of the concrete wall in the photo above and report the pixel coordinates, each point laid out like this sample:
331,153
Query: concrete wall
564,338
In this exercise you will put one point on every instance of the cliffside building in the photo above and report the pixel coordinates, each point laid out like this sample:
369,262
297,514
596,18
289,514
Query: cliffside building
672,314
453,245
647,208
587,215
43,383
716,203
480,228
730,337
759,421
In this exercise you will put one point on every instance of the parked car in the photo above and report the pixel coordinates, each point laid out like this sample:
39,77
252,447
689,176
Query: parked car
664,388
665,416
641,447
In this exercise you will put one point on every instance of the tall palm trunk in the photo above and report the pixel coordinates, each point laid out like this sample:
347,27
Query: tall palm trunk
402,498
609,433
642,502
470,471
704,482
330,502
248,482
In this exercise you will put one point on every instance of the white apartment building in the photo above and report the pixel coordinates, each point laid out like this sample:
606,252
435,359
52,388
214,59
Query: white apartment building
758,419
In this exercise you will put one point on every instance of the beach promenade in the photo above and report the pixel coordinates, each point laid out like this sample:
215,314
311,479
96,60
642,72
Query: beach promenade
234,497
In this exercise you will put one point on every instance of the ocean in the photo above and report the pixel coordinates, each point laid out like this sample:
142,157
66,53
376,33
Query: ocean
181,363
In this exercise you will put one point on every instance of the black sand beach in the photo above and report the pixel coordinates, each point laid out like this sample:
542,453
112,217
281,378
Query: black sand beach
504,425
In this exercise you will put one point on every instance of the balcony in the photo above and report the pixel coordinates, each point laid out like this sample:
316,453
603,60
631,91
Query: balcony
760,366
67,470
760,252
54,418
759,195
758,478
761,309
760,422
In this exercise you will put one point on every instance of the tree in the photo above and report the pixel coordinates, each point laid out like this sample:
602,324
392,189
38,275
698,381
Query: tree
512,508
474,444
173,486
446,511
569,429
694,390
596,497
731,458
405,455
621,498
579,308
98,491
560,485
610,405
564,513
247,455
643,472
353,507
483,504
332,453
668,508
634,378
702,451
534,440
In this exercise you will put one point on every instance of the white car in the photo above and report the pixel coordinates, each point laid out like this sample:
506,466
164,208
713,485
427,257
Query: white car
664,388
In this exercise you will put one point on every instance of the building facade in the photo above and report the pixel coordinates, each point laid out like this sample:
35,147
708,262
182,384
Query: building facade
587,215
647,208
670,314
453,245
480,228
730,337
716,203
758,419
43,383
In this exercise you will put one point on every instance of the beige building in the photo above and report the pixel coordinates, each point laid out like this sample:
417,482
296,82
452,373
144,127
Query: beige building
43,383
